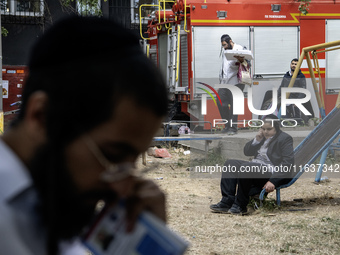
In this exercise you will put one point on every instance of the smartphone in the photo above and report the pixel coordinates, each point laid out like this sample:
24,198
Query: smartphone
150,235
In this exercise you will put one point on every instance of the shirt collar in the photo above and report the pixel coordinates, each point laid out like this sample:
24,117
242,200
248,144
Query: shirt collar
14,175
268,140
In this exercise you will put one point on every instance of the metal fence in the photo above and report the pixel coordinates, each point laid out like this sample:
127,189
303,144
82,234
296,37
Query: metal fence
125,12
22,11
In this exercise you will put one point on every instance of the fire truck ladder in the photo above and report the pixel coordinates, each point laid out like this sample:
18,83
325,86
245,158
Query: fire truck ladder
173,58
323,135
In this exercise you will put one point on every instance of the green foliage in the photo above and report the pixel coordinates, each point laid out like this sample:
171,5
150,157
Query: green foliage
289,123
84,7
218,128
316,120
304,6
288,248
269,204
255,125
4,31
212,159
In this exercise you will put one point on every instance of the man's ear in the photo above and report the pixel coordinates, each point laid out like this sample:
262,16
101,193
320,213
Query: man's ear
35,114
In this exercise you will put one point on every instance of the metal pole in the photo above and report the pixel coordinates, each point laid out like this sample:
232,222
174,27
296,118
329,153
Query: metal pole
316,89
322,46
1,103
322,162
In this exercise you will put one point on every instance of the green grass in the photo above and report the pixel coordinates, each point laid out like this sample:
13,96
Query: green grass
212,159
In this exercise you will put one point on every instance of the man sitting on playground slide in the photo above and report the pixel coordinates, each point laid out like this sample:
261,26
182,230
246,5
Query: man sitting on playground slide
271,167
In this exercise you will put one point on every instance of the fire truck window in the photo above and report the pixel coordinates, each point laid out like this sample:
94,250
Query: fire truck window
332,57
274,48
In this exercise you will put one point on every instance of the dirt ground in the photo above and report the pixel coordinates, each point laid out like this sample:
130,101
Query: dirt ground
308,221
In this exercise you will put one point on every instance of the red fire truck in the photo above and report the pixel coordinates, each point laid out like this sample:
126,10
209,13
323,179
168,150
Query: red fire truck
185,43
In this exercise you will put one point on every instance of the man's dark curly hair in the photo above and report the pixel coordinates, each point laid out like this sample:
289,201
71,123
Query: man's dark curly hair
86,65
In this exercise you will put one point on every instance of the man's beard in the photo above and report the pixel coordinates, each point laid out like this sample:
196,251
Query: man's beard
64,212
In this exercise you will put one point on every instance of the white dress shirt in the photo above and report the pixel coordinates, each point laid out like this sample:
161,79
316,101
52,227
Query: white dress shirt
21,232
229,69
262,156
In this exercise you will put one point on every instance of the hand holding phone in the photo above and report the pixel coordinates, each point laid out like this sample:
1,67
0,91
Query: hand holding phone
146,196
259,136
150,235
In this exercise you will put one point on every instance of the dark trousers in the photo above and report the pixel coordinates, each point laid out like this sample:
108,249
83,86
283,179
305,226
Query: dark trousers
236,185
226,109
292,112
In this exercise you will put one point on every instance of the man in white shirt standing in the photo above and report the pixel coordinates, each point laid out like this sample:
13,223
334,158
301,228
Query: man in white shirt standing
228,75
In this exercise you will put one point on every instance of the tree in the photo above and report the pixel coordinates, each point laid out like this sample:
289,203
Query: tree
304,6
83,7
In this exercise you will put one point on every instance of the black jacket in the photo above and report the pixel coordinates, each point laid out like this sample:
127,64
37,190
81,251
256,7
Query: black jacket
281,154
299,82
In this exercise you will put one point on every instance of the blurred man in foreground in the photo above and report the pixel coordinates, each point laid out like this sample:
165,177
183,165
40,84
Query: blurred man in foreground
91,104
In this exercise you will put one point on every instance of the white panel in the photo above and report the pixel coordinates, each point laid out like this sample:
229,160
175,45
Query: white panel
333,57
322,63
207,48
275,47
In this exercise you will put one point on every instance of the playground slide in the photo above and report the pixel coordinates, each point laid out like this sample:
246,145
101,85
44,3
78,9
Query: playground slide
318,140
312,146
